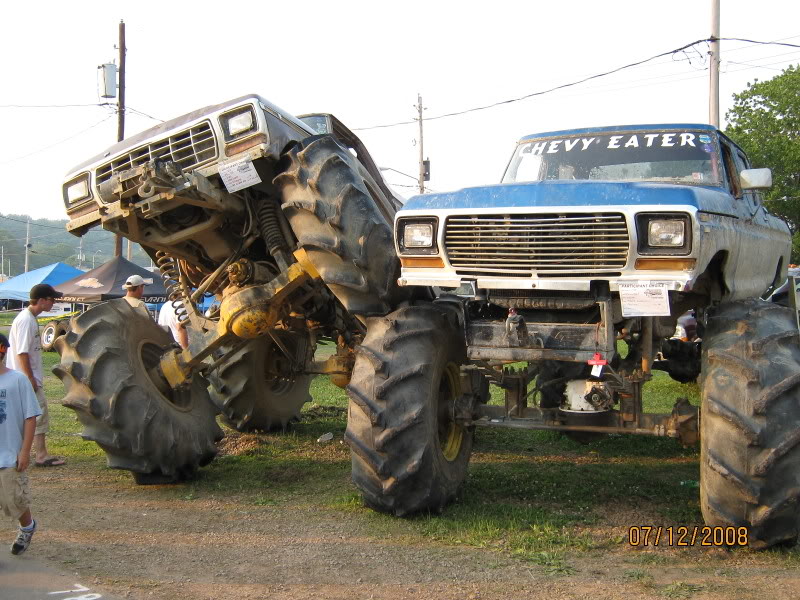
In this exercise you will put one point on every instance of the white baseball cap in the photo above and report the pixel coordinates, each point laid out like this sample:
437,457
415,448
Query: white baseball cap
135,281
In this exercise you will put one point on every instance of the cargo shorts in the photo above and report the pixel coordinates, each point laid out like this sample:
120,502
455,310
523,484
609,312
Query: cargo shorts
43,420
15,493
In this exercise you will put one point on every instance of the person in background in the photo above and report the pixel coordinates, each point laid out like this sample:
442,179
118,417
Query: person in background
134,290
167,317
18,412
25,355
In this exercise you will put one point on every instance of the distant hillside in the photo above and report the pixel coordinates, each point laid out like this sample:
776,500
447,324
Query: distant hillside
51,243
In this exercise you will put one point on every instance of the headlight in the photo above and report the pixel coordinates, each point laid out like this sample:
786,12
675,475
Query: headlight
666,233
238,122
417,235
76,190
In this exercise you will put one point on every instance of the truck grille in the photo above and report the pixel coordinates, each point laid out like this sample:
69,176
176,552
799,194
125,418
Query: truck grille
541,244
188,149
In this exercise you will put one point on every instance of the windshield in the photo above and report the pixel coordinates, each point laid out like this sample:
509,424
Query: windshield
686,157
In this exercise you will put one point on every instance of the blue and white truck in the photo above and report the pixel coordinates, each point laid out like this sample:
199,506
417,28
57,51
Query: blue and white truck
563,285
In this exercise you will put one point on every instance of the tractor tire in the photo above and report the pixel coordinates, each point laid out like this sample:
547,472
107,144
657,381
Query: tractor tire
750,422
51,332
339,216
407,454
255,390
105,364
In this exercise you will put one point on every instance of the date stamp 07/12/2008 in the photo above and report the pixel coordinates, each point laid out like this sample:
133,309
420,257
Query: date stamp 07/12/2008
693,535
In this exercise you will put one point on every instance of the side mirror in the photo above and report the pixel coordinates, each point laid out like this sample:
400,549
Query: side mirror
755,179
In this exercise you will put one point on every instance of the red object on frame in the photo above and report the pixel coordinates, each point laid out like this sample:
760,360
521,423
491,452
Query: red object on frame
597,359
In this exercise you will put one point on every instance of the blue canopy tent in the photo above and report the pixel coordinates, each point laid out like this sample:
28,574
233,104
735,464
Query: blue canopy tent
18,288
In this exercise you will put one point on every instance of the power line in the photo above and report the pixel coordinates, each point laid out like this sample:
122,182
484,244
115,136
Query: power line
138,112
632,84
752,66
57,143
60,257
396,171
577,82
774,43
26,222
35,237
50,105
34,224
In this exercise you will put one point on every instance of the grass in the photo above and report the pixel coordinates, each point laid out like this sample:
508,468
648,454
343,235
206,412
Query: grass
534,495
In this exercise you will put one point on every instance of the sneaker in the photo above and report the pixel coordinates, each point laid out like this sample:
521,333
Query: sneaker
23,540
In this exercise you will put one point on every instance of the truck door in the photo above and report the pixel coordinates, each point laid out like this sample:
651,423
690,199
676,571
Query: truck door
761,244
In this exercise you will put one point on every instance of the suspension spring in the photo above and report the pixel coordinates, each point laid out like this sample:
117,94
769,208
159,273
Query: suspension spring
270,229
171,275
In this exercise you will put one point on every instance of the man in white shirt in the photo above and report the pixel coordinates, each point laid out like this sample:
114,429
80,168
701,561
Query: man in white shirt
167,317
25,355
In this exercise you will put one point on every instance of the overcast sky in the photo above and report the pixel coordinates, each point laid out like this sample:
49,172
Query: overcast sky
366,62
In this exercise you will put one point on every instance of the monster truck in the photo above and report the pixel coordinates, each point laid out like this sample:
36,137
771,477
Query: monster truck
287,222
578,265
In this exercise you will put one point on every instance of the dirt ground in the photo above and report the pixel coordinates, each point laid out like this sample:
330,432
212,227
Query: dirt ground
142,543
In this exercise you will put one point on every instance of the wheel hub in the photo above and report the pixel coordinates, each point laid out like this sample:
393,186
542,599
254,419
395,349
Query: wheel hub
150,355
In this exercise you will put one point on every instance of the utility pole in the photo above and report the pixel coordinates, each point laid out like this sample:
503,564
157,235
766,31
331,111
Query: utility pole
80,253
713,68
121,114
27,242
3,260
421,155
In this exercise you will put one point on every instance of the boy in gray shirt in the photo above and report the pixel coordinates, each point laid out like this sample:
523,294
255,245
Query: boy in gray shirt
18,411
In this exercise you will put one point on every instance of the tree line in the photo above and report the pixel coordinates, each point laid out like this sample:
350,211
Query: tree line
765,122
50,242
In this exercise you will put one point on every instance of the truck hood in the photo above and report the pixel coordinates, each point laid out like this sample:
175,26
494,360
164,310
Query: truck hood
576,193
170,126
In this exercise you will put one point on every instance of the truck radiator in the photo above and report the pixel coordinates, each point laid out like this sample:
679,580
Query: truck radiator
542,244
187,148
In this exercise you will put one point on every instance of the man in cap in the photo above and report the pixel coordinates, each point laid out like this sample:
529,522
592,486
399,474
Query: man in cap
134,290
25,355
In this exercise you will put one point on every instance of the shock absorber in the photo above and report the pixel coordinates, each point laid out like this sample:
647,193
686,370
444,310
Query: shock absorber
270,229
171,276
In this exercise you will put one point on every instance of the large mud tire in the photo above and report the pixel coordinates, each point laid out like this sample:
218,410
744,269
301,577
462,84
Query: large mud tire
407,454
105,360
254,388
340,217
750,422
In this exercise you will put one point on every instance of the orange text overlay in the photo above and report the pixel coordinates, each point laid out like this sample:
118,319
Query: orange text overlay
693,535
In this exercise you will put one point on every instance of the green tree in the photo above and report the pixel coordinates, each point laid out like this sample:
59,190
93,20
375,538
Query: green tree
765,122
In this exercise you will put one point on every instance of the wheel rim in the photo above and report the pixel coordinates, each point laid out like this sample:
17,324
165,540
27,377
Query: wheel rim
49,335
279,377
451,435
